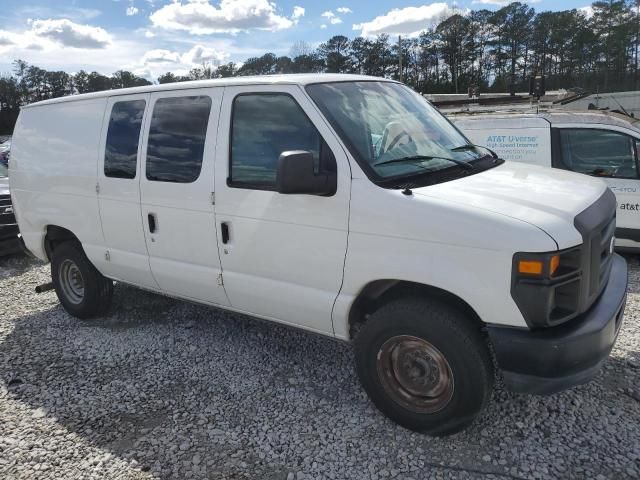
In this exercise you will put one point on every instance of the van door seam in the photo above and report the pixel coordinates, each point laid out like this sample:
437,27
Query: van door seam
214,206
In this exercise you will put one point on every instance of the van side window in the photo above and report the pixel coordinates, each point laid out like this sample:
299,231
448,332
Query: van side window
602,153
176,138
264,126
123,135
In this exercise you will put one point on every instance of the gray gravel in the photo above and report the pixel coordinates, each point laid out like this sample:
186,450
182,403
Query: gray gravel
164,389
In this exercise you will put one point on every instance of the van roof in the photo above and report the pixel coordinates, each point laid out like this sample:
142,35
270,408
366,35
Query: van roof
557,117
289,79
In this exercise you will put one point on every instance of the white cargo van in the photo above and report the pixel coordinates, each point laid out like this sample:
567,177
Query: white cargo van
343,205
600,144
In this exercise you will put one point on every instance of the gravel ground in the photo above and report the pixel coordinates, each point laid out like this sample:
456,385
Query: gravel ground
164,389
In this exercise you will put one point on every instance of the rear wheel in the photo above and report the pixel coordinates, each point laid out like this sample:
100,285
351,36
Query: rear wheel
424,365
82,290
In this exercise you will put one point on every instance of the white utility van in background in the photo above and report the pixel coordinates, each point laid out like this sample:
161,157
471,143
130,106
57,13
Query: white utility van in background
340,204
600,144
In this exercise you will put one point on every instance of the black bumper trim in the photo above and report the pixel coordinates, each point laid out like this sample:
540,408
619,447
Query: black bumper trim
553,359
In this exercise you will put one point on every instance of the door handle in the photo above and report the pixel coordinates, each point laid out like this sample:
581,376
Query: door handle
224,231
152,222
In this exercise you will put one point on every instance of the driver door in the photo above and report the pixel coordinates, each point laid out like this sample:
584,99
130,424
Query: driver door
282,255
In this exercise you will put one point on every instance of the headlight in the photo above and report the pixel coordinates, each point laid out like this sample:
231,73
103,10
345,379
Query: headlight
546,286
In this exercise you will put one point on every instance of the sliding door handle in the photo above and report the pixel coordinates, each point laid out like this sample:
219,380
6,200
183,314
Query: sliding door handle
224,231
152,222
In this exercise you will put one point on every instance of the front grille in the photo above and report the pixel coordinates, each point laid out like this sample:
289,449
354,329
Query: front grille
597,225
605,251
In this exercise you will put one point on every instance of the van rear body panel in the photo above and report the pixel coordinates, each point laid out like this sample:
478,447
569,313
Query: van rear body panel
53,173
526,140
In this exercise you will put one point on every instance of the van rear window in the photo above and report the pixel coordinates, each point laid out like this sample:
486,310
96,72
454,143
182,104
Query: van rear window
176,138
121,150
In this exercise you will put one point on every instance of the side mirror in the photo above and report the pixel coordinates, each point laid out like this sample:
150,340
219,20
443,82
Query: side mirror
295,175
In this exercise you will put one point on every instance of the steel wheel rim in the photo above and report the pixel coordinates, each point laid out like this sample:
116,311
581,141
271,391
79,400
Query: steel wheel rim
71,281
415,374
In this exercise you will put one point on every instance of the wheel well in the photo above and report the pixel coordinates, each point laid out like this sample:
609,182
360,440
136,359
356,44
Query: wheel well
55,236
377,293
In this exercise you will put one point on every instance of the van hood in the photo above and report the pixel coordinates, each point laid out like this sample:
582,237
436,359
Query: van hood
548,198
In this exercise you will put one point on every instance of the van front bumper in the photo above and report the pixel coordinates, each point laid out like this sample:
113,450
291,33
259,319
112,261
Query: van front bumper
550,360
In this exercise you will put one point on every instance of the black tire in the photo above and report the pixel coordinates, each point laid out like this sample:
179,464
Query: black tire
90,300
421,333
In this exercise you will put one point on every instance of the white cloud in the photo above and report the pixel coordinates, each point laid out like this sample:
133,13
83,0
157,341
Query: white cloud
5,39
160,56
200,17
298,12
332,17
500,3
197,55
323,26
409,21
158,61
74,14
46,53
149,34
200,54
344,10
132,11
70,34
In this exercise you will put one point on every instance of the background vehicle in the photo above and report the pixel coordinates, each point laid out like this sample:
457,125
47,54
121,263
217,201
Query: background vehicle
9,240
600,144
344,205
5,150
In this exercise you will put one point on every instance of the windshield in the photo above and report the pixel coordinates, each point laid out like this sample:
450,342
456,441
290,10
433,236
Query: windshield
391,130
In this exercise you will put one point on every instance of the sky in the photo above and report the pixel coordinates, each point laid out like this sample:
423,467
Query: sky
150,37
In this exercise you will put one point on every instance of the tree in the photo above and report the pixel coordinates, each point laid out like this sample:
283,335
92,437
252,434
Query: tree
126,79
263,65
335,53
358,54
516,25
228,70
300,48
311,63
97,82
10,102
453,33
168,78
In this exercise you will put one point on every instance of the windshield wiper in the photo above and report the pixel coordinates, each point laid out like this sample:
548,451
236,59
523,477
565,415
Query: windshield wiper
466,146
471,146
460,163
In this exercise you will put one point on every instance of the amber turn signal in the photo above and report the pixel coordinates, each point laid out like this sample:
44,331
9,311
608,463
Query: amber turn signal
554,264
531,267
536,267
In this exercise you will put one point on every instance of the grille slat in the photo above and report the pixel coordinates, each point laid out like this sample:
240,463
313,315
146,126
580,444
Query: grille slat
597,226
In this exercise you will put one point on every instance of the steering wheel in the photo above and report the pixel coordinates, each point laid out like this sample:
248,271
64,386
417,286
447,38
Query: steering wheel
393,133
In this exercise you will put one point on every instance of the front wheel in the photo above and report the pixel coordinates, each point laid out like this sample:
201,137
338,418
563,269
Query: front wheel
82,290
424,365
